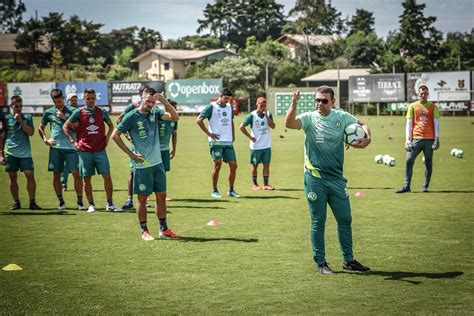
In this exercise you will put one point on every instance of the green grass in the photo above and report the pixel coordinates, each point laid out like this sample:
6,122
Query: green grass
259,261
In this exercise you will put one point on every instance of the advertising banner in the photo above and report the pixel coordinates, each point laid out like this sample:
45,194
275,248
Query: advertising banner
32,93
377,88
125,92
3,97
443,86
447,106
101,91
193,91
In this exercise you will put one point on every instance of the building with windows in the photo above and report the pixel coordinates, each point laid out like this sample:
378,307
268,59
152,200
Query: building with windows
168,64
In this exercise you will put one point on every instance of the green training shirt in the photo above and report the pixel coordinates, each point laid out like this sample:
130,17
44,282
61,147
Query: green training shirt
17,142
324,142
143,130
56,126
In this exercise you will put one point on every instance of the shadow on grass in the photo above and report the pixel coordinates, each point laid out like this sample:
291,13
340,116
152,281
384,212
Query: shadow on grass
271,197
36,213
200,200
206,239
402,276
290,190
199,207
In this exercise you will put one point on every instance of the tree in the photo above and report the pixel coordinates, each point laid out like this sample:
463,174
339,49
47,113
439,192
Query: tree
232,21
362,49
458,51
56,61
11,16
237,72
289,72
363,21
417,42
266,55
147,39
52,25
29,39
196,42
314,17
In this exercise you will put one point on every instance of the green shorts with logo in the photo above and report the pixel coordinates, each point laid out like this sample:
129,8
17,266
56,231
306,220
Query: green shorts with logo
60,158
149,180
13,164
89,162
165,157
226,153
258,156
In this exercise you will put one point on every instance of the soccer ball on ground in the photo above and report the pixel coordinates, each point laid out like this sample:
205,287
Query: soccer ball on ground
453,151
459,153
353,132
378,159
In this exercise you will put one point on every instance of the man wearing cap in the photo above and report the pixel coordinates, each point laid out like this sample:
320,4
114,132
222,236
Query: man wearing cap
62,154
71,100
422,134
260,121
221,136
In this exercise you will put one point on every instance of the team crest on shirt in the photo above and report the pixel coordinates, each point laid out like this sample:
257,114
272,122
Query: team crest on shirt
172,124
312,196
142,187
263,123
51,166
338,124
224,113
91,120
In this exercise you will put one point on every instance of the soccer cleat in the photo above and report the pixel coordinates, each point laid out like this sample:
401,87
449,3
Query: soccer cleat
128,205
424,189
62,206
255,187
216,195
91,209
64,187
113,208
34,206
169,233
355,265
325,269
403,189
16,206
146,236
81,206
232,193
268,187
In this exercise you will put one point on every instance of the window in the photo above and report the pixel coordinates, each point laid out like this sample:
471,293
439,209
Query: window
167,66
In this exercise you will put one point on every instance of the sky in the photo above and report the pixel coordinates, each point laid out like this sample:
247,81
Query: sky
178,18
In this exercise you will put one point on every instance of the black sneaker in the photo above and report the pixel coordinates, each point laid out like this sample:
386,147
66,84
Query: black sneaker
403,190
325,269
34,206
16,206
424,189
355,265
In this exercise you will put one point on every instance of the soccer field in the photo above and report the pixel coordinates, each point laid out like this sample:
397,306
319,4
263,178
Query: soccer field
259,261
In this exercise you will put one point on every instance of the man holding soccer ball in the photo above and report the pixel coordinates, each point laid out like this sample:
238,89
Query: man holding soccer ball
323,177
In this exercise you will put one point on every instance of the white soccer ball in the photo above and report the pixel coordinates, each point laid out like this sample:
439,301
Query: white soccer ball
459,153
378,159
353,132
386,159
391,162
453,151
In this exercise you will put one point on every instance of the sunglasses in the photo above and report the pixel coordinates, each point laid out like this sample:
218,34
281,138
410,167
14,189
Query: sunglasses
323,101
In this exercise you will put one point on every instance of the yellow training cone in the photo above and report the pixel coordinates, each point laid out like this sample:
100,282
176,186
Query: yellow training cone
12,267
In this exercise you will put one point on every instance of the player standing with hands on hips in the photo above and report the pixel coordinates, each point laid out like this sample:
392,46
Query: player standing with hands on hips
323,177
422,134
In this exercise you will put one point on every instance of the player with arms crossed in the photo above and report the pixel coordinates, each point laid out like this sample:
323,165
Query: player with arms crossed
323,176
149,174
